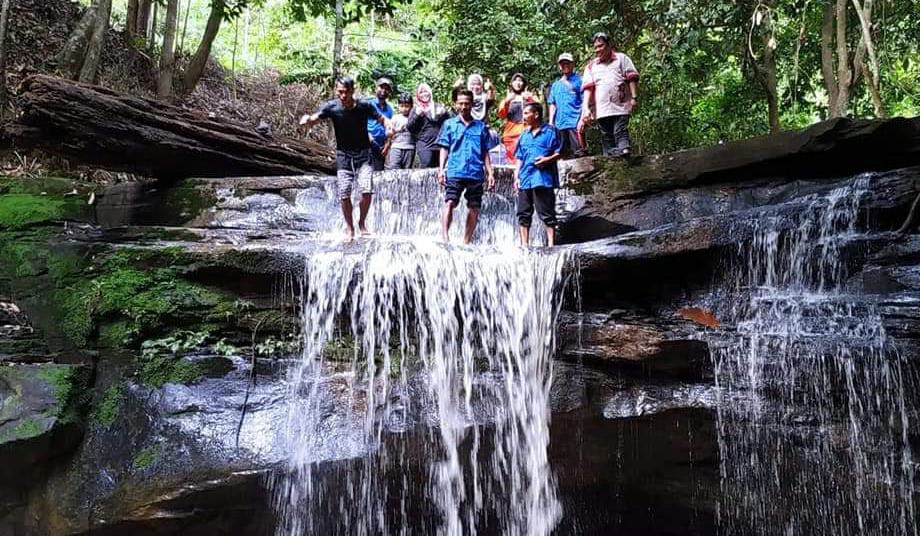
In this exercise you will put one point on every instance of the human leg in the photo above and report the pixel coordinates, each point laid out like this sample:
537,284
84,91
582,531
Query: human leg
525,214
366,184
473,195
545,201
406,158
377,159
452,191
344,179
608,137
621,134
427,157
472,217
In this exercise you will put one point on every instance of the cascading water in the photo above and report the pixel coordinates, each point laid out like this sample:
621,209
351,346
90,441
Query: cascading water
818,443
448,365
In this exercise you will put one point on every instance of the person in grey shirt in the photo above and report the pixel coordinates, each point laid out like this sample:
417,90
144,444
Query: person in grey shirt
401,141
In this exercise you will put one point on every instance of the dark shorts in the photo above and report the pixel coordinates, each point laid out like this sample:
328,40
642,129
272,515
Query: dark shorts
571,143
545,201
472,188
378,161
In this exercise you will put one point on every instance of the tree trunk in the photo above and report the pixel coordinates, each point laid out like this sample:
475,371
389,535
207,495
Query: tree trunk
188,8
4,20
131,20
152,28
142,21
121,132
870,71
844,72
168,52
96,43
337,42
198,62
827,58
70,60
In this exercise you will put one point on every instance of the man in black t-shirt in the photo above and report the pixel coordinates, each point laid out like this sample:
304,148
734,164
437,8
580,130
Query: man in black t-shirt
353,148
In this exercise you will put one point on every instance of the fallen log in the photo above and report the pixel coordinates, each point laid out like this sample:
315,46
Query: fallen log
98,127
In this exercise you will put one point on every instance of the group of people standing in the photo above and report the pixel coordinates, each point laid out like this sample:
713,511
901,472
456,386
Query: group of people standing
370,136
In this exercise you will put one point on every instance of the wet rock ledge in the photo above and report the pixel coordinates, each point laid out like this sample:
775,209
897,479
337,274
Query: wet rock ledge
134,318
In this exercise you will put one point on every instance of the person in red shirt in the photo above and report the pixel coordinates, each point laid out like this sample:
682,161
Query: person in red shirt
511,110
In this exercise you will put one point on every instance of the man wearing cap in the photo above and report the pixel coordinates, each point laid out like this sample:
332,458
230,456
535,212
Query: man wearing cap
376,131
565,107
611,86
350,118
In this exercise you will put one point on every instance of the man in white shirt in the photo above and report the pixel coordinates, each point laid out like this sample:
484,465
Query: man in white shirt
611,88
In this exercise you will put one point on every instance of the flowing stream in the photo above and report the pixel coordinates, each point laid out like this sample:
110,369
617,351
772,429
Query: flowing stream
426,356
818,442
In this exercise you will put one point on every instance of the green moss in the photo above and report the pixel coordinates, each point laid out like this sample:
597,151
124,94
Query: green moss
69,384
147,457
109,407
26,429
137,292
21,210
117,334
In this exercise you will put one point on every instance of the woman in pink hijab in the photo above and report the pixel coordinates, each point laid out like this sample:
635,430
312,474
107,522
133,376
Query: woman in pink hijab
425,124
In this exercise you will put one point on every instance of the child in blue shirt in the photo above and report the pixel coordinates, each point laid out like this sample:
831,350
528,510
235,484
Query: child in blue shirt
536,175
465,147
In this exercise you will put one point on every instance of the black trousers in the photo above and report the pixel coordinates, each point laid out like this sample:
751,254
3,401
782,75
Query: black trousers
428,157
571,143
545,201
378,161
615,135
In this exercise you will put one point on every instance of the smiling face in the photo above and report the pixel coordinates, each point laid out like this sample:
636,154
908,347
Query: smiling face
517,84
383,92
475,86
424,95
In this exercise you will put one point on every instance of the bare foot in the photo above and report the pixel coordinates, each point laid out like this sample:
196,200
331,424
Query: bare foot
445,238
349,234
364,230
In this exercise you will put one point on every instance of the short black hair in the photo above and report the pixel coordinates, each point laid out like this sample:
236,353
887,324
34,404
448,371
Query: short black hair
536,108
404,98
602,36
345,81
463,93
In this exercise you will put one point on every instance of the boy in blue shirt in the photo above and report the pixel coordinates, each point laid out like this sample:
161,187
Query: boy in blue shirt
465,147
376,130
565,107
536,175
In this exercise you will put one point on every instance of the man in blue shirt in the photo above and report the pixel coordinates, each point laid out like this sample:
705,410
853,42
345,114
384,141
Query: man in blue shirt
465,147
377,132
536,175
565,107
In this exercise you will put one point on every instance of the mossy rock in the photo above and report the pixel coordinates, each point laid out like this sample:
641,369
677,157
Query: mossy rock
42,408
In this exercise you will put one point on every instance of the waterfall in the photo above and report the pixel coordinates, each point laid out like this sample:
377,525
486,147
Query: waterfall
817,442
422,357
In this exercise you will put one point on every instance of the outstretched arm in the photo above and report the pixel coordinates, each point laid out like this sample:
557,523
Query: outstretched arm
308,121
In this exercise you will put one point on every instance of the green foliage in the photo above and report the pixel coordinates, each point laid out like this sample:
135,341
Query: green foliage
18,210
147,457
109,406
225,348
162,362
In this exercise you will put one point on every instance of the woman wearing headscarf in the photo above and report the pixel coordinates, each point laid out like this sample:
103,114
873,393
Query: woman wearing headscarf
512,111
483,96
425,124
